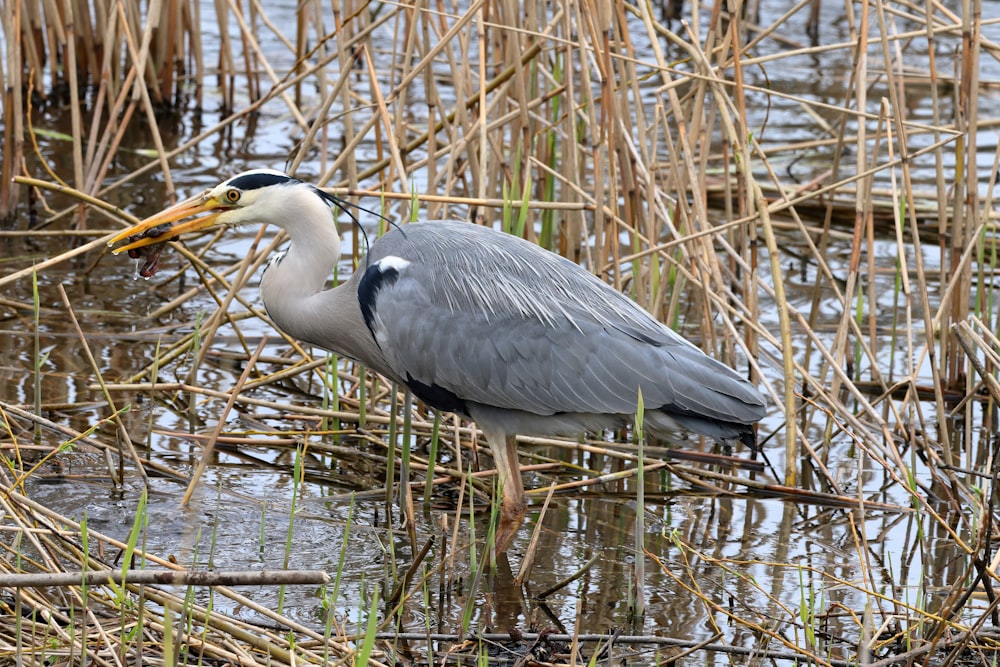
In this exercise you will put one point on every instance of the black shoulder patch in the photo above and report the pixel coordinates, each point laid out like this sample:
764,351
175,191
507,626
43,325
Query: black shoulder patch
260,179
374,279
437,397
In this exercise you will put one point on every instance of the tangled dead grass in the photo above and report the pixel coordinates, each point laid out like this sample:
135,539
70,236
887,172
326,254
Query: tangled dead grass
628,143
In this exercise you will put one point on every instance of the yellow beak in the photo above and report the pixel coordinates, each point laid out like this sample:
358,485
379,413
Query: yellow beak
147,231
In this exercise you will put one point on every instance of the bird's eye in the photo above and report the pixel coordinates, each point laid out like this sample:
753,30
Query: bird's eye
233,196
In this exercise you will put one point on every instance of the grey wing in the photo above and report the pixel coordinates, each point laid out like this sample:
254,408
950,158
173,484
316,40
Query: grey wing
534,367
455,339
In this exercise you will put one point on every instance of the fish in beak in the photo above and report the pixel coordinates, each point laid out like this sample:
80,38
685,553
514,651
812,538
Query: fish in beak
161,228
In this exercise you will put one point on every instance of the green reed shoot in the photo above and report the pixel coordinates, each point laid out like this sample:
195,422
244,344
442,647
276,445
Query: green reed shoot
329,605
469,608
525,206
547,237
85,561
507,212
362,400
638,608
196,340
138,623
213,541
121,599
139,523
509,225
596,653
383,220
154,375
169,657
39,357
298,470
368,642
262,535
431,460
897,289
475,568
807,610
343,551
675,286
187,620
390,454
472,522
512,225
196,335
392,564
331,395
428,605
491,526
414,202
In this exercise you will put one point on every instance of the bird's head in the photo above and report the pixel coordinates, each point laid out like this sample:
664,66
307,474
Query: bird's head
256,196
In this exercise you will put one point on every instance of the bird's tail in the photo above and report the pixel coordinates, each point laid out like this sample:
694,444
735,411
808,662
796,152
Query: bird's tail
723,431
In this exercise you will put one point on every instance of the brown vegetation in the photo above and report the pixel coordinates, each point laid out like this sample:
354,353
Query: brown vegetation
635,146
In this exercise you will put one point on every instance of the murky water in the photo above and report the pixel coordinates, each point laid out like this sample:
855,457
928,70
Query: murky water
241,515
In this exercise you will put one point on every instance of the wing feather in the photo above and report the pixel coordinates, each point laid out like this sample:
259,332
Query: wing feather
500,322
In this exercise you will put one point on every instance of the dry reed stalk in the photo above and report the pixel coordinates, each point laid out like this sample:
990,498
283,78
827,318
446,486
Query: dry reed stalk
11,87
163,578
75,45
618,136
123,434
46,548
206,454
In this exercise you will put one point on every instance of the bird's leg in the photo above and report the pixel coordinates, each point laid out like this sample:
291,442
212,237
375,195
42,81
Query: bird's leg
513,505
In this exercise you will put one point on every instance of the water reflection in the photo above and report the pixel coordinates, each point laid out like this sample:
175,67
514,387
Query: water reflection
710,554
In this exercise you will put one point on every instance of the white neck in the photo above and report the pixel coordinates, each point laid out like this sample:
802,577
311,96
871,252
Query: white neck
289,285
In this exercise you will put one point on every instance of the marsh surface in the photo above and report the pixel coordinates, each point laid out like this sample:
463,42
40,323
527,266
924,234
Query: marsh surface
295,489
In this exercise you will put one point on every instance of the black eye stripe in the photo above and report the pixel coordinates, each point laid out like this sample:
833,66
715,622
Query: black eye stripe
255,181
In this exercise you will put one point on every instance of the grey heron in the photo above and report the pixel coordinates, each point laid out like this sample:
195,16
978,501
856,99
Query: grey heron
475,322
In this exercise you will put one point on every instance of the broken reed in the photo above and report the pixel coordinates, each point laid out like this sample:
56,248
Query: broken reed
615,134
110,63
611,129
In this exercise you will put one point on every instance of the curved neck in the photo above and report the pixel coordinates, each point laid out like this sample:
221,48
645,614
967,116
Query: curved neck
293,288
290,281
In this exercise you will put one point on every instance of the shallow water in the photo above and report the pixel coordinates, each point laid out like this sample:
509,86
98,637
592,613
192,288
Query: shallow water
249,512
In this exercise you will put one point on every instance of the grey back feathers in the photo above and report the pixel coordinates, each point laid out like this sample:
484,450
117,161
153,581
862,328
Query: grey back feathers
477,321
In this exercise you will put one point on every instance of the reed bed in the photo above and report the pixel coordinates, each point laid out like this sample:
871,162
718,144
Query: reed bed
850,273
